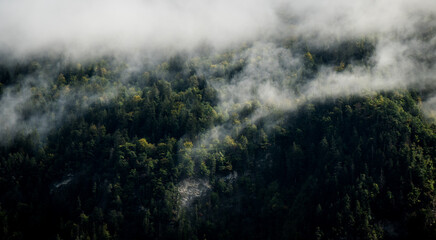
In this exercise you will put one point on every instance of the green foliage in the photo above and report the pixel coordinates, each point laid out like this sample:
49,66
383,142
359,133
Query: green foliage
348,168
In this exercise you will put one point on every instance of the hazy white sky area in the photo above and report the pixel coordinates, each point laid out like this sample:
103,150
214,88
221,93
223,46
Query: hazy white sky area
81,26
131,25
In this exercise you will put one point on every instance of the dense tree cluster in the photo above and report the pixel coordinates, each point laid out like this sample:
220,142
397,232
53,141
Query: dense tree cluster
347,168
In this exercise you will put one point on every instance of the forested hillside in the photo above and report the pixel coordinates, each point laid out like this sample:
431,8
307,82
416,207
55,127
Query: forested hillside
217,120
134,155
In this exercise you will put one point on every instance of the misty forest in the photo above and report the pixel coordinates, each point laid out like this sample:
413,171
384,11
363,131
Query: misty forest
278,119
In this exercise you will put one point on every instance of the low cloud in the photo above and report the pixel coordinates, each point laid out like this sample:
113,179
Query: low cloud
25,111
95,27
429,107
402,32
102,26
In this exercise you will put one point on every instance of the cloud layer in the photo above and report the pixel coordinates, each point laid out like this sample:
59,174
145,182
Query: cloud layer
98,26
110,25
403,33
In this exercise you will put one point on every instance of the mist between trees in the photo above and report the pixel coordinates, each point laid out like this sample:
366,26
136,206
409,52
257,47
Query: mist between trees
169,112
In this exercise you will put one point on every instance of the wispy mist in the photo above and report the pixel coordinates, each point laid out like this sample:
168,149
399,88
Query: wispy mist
402,31
24,110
